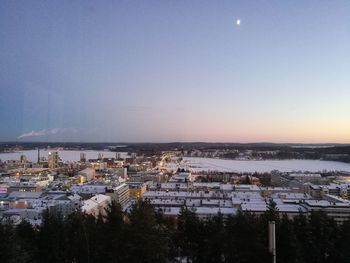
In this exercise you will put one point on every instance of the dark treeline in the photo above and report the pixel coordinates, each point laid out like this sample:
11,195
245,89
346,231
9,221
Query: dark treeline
336,152
145,235
285,151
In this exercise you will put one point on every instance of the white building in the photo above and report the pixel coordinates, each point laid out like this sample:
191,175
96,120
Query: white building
86,175
96,205
121,195
31,205
182,177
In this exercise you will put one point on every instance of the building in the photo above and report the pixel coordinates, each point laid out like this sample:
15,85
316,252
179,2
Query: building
338,210
82,157
99,166
309,177
136,189
182,177
23,187
86,175
53,160
31,205
207,199
121,195
87,190
23,158
96,205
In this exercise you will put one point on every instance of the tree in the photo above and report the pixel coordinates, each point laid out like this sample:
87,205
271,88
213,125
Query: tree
322,237
214,231
78,237
246,239
27,237
190,235
10,250
303,234
114,231
146,240
342,243
286,242
272,212
51,239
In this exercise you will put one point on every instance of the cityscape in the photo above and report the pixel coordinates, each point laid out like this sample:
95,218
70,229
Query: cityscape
205,180
174,131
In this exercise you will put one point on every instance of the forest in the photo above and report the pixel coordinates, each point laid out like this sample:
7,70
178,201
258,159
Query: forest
144,234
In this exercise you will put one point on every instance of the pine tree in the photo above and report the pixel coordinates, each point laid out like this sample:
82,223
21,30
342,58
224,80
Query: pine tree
10,251
286,242
114,231
78,249
214,230
272,212
51,239
302,233
342,243
190,235
27,236
146,240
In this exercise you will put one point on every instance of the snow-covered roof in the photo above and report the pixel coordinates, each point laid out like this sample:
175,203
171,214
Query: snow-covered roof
119,186
291,196
94,202
101,198
18,194
89,205
305,175
262,207
324,203
210,211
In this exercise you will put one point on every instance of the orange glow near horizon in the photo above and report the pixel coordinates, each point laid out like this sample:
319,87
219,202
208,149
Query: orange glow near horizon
301,131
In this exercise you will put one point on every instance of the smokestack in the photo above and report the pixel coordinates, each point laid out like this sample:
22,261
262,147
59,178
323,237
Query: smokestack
38,155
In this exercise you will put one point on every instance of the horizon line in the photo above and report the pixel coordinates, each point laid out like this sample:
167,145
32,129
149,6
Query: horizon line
179,142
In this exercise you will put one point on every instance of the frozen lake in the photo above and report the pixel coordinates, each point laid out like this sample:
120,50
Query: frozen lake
208,164
32,155
200,164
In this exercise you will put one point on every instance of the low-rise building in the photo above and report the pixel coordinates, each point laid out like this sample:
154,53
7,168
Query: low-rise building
96,205
136,189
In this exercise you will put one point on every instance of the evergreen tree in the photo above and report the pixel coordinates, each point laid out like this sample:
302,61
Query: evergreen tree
286,241
114,232
302,233
272,213
229,235
27,237
190,235
342,243
144,235
78,249
146,240
214,230
322,239
10,250
51,239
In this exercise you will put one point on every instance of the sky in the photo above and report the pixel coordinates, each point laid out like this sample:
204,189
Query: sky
165,71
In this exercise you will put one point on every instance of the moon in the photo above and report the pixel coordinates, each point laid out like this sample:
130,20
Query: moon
238,22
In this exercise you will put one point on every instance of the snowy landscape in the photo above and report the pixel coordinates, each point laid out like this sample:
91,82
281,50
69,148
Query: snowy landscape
195,164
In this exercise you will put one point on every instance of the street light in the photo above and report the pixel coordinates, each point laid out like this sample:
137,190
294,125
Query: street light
272,240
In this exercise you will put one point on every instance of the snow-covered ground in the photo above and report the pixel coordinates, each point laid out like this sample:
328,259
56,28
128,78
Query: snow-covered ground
208,164
32,155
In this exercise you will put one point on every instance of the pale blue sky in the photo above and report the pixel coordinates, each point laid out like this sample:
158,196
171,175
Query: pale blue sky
176,70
